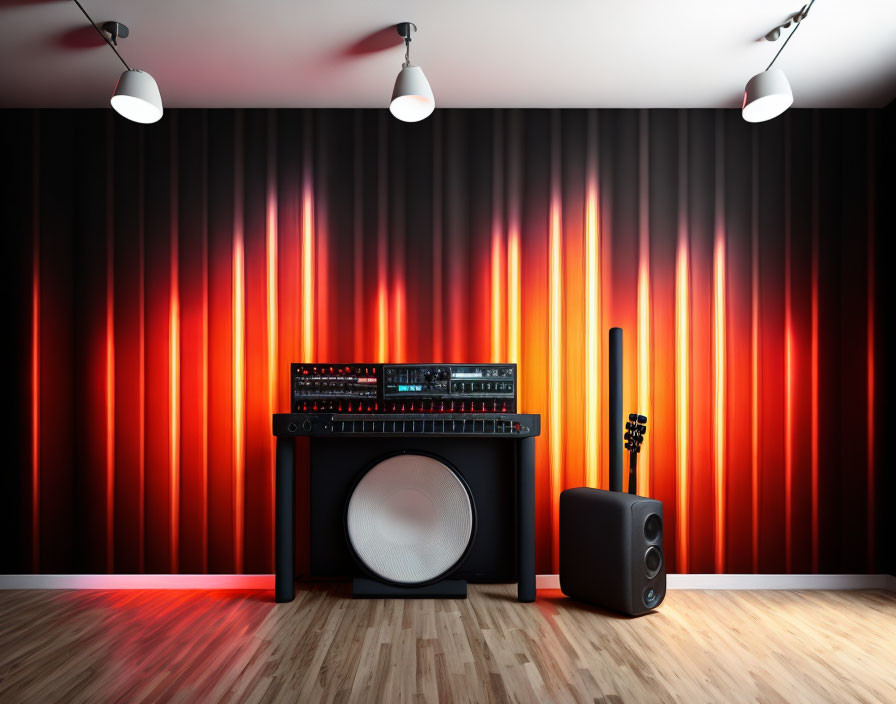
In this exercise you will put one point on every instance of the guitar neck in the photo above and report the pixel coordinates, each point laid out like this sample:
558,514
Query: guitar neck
632,472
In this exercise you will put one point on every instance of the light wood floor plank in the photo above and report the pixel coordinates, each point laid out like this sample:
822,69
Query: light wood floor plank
194,646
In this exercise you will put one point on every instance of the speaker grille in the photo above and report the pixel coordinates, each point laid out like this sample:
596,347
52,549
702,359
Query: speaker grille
410,519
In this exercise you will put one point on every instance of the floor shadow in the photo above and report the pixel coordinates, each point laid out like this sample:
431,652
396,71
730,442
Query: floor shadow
557,599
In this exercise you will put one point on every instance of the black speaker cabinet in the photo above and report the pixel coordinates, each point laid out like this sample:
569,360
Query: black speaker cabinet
611,549
487,467
411,505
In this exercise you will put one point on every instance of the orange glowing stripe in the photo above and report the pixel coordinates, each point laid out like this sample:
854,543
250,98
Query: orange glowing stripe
272,300
497,296
497,268
719,354
719,370
682,386
514,328
592,321
35,354
644,364
239,358
382,323
643,300
307,272
513,297
398,314
555,353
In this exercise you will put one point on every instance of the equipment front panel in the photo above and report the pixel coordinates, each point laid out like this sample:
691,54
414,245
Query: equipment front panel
404,388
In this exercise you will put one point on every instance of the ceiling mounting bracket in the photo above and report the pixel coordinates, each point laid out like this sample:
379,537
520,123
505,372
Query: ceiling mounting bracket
116,30
404,30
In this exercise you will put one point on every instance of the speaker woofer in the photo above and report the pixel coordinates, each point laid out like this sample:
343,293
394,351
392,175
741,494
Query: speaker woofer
410,520
653,528
653,561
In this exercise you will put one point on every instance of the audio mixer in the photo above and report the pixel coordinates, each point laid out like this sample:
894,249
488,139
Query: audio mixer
403,388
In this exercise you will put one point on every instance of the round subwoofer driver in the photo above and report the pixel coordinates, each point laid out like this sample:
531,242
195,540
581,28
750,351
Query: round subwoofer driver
410,519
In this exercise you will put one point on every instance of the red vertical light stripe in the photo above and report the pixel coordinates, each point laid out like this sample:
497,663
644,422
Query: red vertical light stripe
271,286
788,359
682,358
239,354
204,371
814,343
437,243
555,333
871,263
141,373
35,345
174,360
321,247
110,352
754,346
720,381
382,247
360,330
593,335
644,380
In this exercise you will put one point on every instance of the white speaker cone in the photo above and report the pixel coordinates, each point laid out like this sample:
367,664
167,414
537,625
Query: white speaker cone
410,519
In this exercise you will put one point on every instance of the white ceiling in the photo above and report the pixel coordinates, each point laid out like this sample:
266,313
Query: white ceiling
476,53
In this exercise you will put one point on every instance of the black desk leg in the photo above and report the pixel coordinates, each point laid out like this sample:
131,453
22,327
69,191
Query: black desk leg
285,521
525,516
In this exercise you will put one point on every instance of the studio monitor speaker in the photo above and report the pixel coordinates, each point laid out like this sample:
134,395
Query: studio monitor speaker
410,519
412,511
611,549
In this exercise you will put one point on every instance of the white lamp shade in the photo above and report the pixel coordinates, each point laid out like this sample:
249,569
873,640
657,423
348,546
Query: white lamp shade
412,98
767,95
137,97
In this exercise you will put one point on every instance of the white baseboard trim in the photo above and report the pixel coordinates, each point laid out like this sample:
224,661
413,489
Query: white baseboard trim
542,581
136,581
759,581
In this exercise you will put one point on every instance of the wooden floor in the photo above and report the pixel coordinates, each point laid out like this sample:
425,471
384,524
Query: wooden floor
191,646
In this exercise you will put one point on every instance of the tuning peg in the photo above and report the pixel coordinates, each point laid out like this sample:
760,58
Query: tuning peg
633,416
642,419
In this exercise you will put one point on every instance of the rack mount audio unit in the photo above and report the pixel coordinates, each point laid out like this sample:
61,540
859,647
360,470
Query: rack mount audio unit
403,388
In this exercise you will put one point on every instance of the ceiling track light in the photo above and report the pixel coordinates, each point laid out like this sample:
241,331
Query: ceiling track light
412,98
768,94
136,95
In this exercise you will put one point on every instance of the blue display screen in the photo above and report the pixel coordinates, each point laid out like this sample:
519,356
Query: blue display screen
409,387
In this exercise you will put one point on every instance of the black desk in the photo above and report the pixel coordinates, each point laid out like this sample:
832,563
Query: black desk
520,429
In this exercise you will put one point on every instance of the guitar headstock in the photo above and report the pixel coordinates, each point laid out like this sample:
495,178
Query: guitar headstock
635,428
